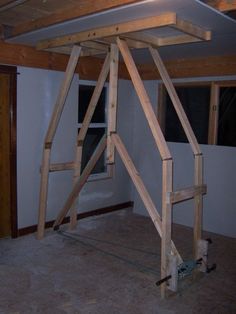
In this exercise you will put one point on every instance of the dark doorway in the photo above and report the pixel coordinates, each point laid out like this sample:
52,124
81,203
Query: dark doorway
8,194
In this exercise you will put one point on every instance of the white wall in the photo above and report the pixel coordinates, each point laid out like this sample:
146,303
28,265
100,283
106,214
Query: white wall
37,90
220,175
36,93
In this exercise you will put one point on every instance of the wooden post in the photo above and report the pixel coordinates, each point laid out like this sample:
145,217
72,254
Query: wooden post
148,203
167,187
82,180
83,130
213,115
58,108
198,204
112,105
43,192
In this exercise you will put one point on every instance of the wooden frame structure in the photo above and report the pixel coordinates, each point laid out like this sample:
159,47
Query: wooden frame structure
118,38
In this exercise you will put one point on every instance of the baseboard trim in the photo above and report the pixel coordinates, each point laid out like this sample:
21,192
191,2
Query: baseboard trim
95,212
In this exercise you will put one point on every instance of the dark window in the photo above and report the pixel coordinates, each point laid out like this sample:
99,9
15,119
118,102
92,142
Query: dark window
85,94
97,127
227,117
195,101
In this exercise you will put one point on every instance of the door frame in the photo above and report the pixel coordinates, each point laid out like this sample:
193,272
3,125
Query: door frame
12,71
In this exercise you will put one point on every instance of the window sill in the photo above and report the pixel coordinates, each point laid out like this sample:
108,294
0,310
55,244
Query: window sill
101,176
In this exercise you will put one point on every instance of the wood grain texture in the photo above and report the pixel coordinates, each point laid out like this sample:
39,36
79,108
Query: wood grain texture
134,174
144,100
90,67
165,19
80,183
175,101
82,8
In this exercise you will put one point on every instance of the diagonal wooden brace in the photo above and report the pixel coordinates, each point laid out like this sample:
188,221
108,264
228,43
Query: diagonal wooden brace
84,128
80,183
141,189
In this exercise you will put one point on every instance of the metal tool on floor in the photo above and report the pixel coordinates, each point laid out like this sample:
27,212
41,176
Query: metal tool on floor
186,268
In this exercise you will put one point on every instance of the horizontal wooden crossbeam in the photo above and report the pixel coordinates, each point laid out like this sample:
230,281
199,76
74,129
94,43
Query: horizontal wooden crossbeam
166,19
186,194
62,166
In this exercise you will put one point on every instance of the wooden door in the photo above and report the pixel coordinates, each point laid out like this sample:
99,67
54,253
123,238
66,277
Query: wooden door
8,226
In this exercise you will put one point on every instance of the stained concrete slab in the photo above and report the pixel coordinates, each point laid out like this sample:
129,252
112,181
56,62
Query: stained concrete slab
110,265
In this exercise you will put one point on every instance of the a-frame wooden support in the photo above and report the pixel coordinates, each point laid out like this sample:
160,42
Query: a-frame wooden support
50,135
170,257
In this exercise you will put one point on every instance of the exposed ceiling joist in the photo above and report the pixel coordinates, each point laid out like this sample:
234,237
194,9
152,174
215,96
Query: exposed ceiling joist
83,8
6,5
222,5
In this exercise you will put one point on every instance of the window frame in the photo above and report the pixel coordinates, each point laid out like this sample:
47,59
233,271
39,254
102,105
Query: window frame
213,106
109,168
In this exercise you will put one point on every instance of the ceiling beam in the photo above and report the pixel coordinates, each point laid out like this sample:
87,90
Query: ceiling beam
89,67
166,19
83,8
6,5
222,5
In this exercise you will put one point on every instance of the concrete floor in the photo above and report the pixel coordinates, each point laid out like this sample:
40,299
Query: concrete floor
73,273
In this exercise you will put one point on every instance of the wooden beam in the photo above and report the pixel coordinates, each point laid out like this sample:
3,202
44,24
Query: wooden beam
83,8
198,205
61,166
213,114
43,194
90,67
112,103
222,5
58,108
62,94
6,4
94,99
167,187
191,29
134,174
176,40
80,183
166,19
187,193
143,37
144,100
175,101
132,43
83,130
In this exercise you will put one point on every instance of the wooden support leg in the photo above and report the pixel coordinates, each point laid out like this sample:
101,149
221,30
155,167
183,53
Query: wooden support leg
148,203
112,105
144,100
83,130
198,204
43,192
58,108
175,100
167,187
77,170
82,180
64,89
